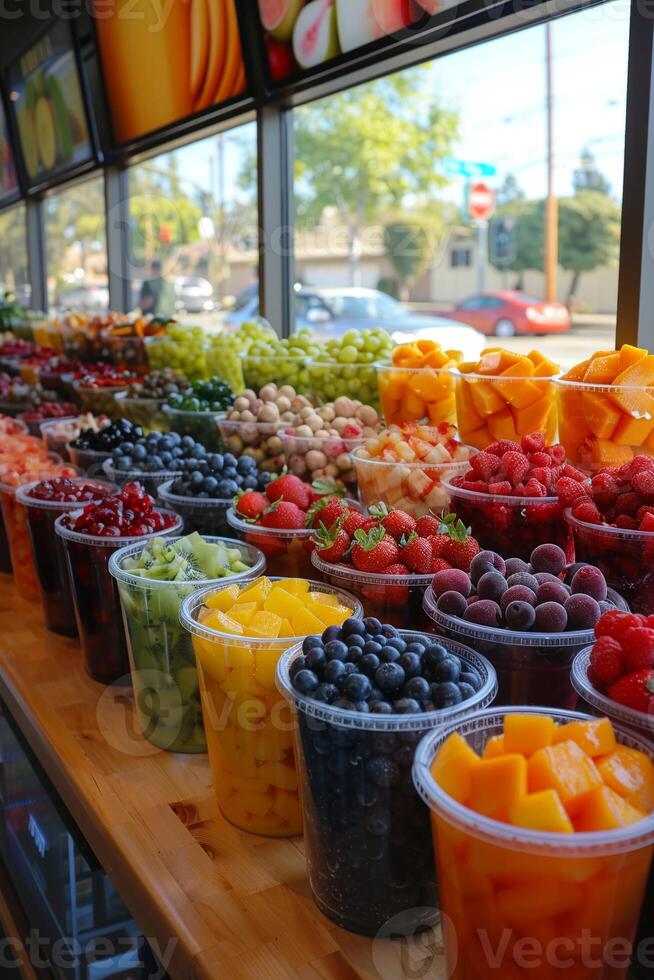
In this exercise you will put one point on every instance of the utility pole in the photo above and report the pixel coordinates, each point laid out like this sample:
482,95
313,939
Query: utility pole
551,203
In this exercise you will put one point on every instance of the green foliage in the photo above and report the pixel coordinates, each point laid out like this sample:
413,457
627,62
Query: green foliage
589,231
529,217
409,246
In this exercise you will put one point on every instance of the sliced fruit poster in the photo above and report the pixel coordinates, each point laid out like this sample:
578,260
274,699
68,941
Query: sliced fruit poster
8,182
301,34
46,97
164,62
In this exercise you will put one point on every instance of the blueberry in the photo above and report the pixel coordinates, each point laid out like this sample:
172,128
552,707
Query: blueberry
406,706
331,633
361,706
356,641
353,655
390,655
416,647
389,677
344,703
371,646
383,771
210,484
198,451
389,630
166,458
396,643
309,642
434,654
298,664
373,626
410,663
335,650
140,453
326,693
245,465
333,671
380,707
470,677
369,663
230,459
466,691
350,668
415,687
445,695
448,669
315,659
229,472
357,687
250,483
305,681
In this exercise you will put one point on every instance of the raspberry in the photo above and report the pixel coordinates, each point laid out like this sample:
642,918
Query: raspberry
615,624
503,488
585,510
541,459
569,490
533,443
503,446
606,663
485,465
626,522
478,486
643,482
638,647
534,488
574,474
604,490
557,454
628,503
647,523
515,466
543,474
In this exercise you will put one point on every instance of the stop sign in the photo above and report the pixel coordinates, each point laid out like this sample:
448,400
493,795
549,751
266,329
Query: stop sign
481,202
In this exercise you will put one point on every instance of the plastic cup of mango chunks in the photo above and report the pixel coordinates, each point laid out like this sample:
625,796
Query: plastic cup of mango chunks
604,706
604,425
162,661
415,487
411,394
249,726
366,833
575,897
490,407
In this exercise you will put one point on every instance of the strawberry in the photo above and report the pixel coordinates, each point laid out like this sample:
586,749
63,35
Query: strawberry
397,568
290,488
325,487
459,547
569,490
331,543
427,525
638,648
250,504
353,520
606,663
326,510
283,514
533,443
635,690
643,482
628,503
373,550
439,565
416,553
626,522
396,522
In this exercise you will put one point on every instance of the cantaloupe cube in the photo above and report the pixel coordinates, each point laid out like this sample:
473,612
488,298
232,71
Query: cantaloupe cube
224,599
486,398
502,425
494,747
632,432
491,362
631,774
595,737
265,624
535,417
217,620
507,867
256,592
541,811
437,359
452,767
523,367
243,612
411,406
280,774
636,402
527,733
282,603
602,370
523,904
495,784
296,586
604,809
543,366
265,665
442,410
469,417
604,453
600,413
304,623
629,355
429,385
566,768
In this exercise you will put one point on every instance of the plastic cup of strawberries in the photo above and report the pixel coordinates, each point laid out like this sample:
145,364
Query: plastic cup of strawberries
514,495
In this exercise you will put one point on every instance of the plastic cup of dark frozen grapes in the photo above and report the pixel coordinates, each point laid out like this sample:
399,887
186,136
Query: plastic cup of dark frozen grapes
95,596
532,668
366,832
48,551
205,515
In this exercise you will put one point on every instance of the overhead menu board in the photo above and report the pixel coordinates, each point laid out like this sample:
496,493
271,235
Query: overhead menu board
45,96
304,34
165,62
8,180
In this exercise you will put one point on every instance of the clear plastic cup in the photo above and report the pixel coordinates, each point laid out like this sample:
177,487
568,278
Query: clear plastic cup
259,371
53,441
604,425
417,487
511,525
129,353
490,407
395,599
13,427
327,381
164,674
572,896
532,668
366,836
413,394
5,553
248,724
88,461
261,440
34,425
59,381
146,412
204,427
600,704
100,401
151,481
625,558
48,553
201,514
313,458
287,551
95,597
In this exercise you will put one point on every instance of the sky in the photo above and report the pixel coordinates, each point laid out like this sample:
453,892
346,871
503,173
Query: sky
498,88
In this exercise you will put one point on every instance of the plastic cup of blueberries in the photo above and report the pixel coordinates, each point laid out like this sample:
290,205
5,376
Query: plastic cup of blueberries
95,597
366,832
205,515
532,668
48,552
151,480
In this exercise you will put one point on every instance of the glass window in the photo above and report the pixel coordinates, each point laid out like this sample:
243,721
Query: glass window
384,172
194,230
14,272
76,248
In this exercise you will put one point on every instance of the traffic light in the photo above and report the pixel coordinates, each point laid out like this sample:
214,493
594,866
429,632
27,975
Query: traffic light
502,243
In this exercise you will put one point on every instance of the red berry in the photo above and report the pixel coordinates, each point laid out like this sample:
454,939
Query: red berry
635,690
534,488
503,488
502,446
533,443
569,490
251,504
283,514
557,454
290,488
331,543
638,647
606,663
647,523
485,465
417,555
515,466
585,510
354,520
574,474
373,550
325,511
427,526
616,623
541,459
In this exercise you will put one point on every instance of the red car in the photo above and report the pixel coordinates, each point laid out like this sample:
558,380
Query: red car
508,312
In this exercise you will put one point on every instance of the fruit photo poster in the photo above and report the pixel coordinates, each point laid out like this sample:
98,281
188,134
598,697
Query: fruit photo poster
302,34
8,181
46,97
165,62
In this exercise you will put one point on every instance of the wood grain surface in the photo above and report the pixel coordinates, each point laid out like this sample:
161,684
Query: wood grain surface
234,905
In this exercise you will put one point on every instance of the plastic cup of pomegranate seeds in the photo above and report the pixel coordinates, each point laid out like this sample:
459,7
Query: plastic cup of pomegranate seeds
95,596
604,706
532,668
41,513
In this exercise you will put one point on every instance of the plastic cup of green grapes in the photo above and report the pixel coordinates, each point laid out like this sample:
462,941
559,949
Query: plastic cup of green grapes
184,349
347,366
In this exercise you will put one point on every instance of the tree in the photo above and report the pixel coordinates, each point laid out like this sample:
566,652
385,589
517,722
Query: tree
529,217
409,245
369,151
589,234
509,192
587,177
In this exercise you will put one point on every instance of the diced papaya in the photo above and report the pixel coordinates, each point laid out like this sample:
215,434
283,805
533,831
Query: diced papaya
632,432
631,774
412,407
629,355
494,747
595,737
429,385
469,418
541,811
604,809
521,393
224,599
527,733
327,614
392,384
243,613
602,370
491,362
506,866
435,359
486,398
279,774
535,417
543,367
282,603
600,413
502,425
443,410
452,767
523,367
566,768
217,620
496,784
523,904
407,355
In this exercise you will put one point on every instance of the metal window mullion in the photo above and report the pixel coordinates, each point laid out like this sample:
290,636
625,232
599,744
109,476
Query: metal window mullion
36,252
116,193
275,203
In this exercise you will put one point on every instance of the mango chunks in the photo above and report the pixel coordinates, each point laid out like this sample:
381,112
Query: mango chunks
418,384
505,396
566,768
527,733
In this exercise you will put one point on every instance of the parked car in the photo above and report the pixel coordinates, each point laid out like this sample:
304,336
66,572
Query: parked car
508,312
193,294
332,312
90,298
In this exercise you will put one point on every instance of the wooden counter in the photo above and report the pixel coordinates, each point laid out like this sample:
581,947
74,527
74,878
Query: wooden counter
236,905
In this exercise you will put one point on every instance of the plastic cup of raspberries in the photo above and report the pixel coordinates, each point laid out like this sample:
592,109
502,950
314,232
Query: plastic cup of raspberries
612,520
90,536
530,619
43,501
388,558
363,695
514,495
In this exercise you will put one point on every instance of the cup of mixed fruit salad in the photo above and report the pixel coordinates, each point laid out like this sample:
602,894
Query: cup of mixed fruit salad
405,467
34,417
505,396
363,695
90,536
153,580
543,829
239,633
418,383
514,494
42,502
15,443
